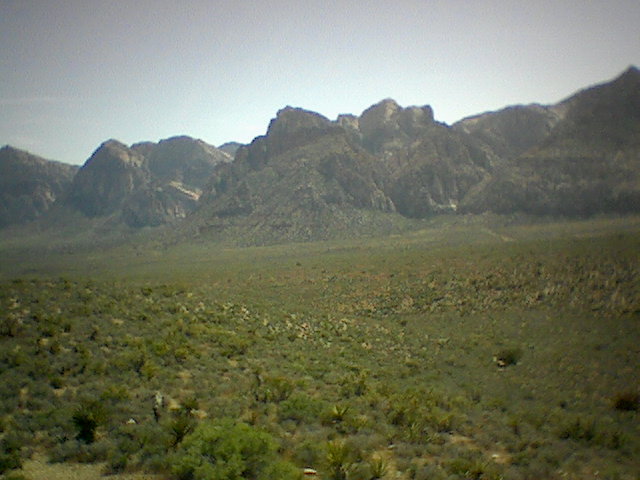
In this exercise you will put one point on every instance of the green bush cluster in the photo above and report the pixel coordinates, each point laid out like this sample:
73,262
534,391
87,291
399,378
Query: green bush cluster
229,450
338,364
10,452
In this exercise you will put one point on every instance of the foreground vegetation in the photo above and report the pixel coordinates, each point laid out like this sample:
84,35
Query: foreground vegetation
466,351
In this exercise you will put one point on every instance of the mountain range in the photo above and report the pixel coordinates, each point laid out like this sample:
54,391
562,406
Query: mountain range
309,177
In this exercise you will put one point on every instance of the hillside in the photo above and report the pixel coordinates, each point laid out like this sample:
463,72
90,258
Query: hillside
383,171
29,185
459,351
303,180
588,163
576,158
146,184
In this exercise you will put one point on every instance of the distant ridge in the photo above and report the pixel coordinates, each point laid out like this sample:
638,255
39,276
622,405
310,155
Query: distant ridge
29,185
588,163
311,178
146,184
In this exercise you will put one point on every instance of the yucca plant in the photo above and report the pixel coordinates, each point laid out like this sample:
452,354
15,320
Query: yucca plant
339,412
379,467
338,459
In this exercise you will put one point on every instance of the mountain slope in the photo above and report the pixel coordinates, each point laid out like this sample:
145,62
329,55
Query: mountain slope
309,176
312,178
29,185
431,166
513,130
589,162
304,179
183,159
146,185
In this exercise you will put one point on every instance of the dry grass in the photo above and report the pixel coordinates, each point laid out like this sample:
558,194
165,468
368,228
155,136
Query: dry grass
37,468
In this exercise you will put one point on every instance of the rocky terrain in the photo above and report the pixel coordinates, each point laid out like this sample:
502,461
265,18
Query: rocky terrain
29,185
309,177
147,184
431,166
587,163
301,180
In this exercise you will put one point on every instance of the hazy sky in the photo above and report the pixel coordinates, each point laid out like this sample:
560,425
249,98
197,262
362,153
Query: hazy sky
74,73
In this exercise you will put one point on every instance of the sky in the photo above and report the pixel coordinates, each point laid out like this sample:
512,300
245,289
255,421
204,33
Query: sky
74,73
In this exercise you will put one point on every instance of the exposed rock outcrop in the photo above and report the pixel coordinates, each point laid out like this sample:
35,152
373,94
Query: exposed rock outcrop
29,185
386,126
185,160
512,131
148,184
432,166
230,148
105,182
309,177
304,179
588,163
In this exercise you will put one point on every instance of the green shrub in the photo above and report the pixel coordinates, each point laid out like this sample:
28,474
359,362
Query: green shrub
507,357
234,345
179,427
79,451
87,417
472,469
274,389
10,325
117,463
337,413
226,450
300,407
10,458
308,452
142,445
379,467
339,459
627,401
578,429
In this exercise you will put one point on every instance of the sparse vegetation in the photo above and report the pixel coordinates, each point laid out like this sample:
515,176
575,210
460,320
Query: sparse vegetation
225,450
508,356
365,360
627,401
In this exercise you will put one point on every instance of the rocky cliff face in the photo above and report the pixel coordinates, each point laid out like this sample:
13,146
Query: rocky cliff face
105,182
512,131
431,166
302,180
575,158
148,184
183,159
230,148
386,126
588,163
29,185
309,177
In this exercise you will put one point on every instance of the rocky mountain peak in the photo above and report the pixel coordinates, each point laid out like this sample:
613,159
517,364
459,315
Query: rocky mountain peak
601,117
114,152
184,142
184,159
230,148
291,120
293,127
29,185
513,130
146,184
9,150
386,125
383,111
631,74
577,157
348,121
104,182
